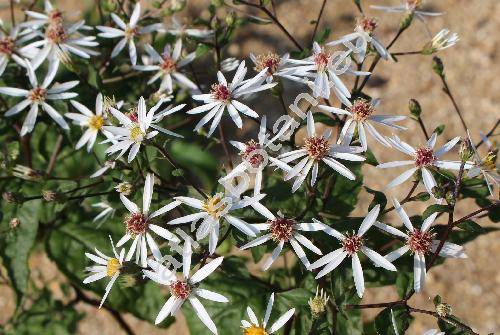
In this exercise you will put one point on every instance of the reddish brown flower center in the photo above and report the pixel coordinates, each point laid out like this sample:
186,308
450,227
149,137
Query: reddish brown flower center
362,109
316,147
281,228
56,33
136,224
168,64
367,24
269,61
55,17
352,244
180,289
37,94
252,154
321,60
420,241
6,46
220,92
424,157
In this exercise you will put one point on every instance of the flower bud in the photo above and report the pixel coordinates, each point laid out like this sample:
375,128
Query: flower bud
437,66
406,21
51,196
124,188
443,309
14,223
450,198
230,19
415,109
127,281
26,173
318,303
13,198
466,152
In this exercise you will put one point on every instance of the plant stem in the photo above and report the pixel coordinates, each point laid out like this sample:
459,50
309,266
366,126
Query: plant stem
446,90
55,152
320,14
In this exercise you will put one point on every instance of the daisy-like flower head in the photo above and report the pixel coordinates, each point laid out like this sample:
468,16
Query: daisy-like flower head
182,31
351,246
94,122
39,96
283,230
408,6
59,39
442,40
275,64
419,242
224,95
167,66
424,158
359,117
216,208
487,166
319,68
127,32
318,148
139,225
11,48
363,37
135,128
254,156
106,267
254,327
185,288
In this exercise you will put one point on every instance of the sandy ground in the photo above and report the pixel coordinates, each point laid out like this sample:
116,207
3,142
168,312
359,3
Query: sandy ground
471,286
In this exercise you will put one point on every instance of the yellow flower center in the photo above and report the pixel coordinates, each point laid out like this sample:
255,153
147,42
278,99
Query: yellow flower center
254,330
96,122
113,267
136,133
216,206
489,162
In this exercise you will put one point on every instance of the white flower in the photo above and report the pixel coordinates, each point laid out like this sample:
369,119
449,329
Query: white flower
419,242
434,332
282,230
10,48
408,6
223,95
276,65
486,166
94,122
362,37
139,225
351,245
320,68
317,148
107,165
254,327
135,128
106,267
424,158
442,40
254,157
58,39
106,211
38,97
359,116
212,211
167,66
185,287
229,64
128,32
181,31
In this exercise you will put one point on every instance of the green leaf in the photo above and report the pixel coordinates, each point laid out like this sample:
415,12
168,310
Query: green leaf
404,283
439,129
435,209
385,321
15,246
436,300
471,226
379,198
193,158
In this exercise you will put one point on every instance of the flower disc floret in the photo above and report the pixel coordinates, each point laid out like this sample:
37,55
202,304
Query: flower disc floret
367,24
269,61
252,154
96,122
168,65
7,46
220,92
254,330
216,206
56,33
136,224
281,229
180,289
316,147
112,267
38,94
352,244
321,60
420,241
424,156
361,109
136,133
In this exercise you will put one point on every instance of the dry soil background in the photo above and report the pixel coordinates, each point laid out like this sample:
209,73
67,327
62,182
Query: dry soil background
471,286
